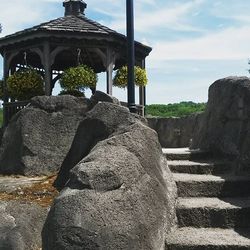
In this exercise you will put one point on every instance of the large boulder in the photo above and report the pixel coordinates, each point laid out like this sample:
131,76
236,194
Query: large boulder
119,192
21,225
1,134
175,132
225,129
39,137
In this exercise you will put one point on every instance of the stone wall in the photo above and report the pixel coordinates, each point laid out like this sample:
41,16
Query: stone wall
225,129
175,132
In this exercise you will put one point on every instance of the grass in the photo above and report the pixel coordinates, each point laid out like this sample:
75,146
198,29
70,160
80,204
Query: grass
174,110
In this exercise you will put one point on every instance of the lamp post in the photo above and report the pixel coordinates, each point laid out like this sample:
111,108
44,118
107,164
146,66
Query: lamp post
131,55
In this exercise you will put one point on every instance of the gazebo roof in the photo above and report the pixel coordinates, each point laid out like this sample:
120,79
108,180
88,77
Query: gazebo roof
79,24
71,25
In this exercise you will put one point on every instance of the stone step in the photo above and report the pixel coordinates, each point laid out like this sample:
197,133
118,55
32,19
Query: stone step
213,212
188,238
197,167
184,154
191,185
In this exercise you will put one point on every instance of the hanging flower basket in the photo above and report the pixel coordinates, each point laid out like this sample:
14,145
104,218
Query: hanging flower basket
120,80
25,84
78,78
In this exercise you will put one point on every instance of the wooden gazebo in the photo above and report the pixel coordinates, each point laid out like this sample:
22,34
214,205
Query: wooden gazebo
53,46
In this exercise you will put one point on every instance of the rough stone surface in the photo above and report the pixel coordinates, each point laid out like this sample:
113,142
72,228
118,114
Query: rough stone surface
38,137
175,132
21,225
119,193
1,135
225,128
212,210
103,97
208,238
210,185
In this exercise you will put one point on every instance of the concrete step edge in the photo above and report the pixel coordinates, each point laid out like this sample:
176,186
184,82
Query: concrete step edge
205,238
213,212
196,163
195,167
186,177
184,154
192,185
213,202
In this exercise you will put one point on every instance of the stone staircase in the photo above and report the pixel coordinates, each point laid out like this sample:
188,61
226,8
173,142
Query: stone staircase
213,207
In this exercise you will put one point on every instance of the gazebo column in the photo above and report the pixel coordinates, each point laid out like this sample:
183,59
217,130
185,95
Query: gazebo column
12,71
47,68
109,70
142,92
5,94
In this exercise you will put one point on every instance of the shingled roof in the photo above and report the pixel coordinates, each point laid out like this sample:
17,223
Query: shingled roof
70,24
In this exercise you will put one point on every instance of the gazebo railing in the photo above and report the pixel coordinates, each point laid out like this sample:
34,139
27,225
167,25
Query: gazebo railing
11,108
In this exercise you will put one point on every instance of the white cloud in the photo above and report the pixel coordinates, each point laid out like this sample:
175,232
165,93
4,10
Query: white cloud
173,17
232,10
229,44
17,14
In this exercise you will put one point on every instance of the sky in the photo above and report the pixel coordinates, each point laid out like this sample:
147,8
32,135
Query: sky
195,42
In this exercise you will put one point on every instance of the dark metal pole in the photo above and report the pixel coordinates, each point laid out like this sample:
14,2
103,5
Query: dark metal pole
131,56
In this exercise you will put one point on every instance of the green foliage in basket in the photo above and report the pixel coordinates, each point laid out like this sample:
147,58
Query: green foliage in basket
25,84
121,81
78,78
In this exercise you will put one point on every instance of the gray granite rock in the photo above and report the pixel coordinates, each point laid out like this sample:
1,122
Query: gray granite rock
225,128
38,137
119,192
103,97
21,225
1,135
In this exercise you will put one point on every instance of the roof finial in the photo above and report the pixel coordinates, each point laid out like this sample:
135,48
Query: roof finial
74,7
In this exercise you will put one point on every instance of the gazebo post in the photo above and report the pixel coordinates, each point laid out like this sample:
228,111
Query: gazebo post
142,92
5,76
47,68
109,71
12,71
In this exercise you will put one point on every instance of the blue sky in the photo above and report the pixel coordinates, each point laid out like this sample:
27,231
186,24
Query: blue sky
195,42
